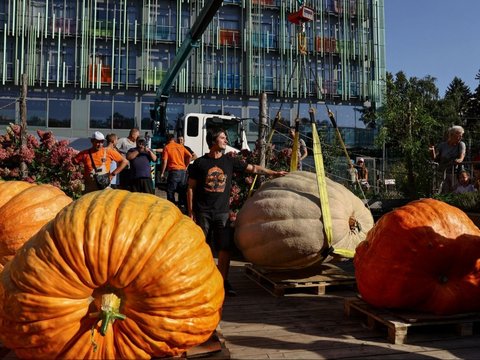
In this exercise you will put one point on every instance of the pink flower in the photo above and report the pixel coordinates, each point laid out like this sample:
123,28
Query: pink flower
26,154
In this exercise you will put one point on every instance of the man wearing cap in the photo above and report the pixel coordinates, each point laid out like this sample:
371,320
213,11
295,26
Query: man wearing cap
362,173
140,158
102,158
302,151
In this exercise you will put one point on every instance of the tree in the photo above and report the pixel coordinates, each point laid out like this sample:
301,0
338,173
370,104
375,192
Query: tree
408,126
368,114
472,111
454,106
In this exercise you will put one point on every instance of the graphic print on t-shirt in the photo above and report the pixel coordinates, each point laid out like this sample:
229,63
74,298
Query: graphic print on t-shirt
216,180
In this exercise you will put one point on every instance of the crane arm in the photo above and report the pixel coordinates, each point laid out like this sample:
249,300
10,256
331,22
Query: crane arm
189,43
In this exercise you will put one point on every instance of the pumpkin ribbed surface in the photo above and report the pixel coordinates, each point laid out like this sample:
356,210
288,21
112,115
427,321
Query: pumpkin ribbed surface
280,226
24,209
423,256
135,247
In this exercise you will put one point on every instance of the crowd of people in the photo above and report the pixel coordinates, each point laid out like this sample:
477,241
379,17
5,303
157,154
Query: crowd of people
450,174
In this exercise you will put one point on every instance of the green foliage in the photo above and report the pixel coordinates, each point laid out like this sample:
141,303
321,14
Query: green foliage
242,183
468,202
409,127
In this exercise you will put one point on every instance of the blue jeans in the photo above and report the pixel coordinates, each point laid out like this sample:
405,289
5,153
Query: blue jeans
177,182
219,225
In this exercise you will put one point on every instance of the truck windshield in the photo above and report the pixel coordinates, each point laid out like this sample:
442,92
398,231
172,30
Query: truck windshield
231,127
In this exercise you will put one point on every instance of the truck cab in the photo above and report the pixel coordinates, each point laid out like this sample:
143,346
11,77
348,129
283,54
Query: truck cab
194,127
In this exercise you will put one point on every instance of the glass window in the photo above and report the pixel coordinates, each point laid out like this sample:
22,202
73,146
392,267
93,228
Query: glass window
146,123
192,126
100,115
174,112
123,115
7,111
59,113
36,112
253,125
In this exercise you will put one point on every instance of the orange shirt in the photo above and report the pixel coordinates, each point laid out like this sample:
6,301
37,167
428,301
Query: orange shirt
84,158
174,154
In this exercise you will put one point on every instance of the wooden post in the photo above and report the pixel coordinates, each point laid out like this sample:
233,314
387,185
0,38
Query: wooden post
262,128
23,123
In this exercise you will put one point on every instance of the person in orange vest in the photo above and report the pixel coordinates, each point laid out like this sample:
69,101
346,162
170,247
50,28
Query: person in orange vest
97,159
175,159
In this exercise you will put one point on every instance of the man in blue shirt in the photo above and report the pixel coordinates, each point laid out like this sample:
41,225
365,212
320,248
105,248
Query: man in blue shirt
140,158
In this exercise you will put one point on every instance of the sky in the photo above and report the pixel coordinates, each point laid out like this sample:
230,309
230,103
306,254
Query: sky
440,38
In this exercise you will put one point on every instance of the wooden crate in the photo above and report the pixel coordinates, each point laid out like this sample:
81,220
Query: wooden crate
314,280
399,322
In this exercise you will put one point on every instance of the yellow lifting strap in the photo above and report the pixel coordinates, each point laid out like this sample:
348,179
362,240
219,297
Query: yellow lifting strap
294,159
323,193
321,182
302,42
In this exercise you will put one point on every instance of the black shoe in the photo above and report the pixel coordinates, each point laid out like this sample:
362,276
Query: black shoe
229,289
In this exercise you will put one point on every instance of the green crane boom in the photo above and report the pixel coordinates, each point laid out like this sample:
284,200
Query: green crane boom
159,111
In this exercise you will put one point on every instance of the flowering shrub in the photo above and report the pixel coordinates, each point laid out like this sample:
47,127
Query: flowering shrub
241,183
48,161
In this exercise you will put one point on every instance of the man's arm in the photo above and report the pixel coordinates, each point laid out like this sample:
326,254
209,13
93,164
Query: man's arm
132,154
192,183
120,166
304,150
153,156
164,165
260,170
462,154
187,157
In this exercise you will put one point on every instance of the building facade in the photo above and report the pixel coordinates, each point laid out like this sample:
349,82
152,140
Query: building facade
96,64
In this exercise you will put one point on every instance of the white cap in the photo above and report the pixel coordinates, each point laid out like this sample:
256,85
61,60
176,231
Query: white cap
360,160
97,135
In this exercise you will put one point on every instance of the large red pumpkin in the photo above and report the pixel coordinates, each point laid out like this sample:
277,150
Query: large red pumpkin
111,255
423,256
24,209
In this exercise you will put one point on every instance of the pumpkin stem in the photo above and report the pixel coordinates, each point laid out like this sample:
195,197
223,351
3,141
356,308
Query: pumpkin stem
110,311
353,224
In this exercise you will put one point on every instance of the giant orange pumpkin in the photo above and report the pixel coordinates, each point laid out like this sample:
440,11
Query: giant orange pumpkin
114,275
24,209
423,256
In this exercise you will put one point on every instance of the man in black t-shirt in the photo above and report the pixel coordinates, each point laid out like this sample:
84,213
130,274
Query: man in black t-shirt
208,194
181,141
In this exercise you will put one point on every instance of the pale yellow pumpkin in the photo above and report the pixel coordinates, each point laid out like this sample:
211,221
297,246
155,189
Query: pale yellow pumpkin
280,227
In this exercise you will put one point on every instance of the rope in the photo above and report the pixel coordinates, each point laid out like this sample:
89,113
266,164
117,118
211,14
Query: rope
3,107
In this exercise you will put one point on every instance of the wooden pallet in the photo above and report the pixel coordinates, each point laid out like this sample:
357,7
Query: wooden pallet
399,322
213,348
313,280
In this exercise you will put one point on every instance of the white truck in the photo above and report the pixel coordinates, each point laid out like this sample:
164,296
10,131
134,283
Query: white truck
194,127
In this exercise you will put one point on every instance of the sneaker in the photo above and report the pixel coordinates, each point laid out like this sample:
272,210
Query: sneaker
229,289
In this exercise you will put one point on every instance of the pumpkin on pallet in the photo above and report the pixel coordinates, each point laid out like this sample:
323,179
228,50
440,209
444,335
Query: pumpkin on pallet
114,275
24,209
423,256
280,226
